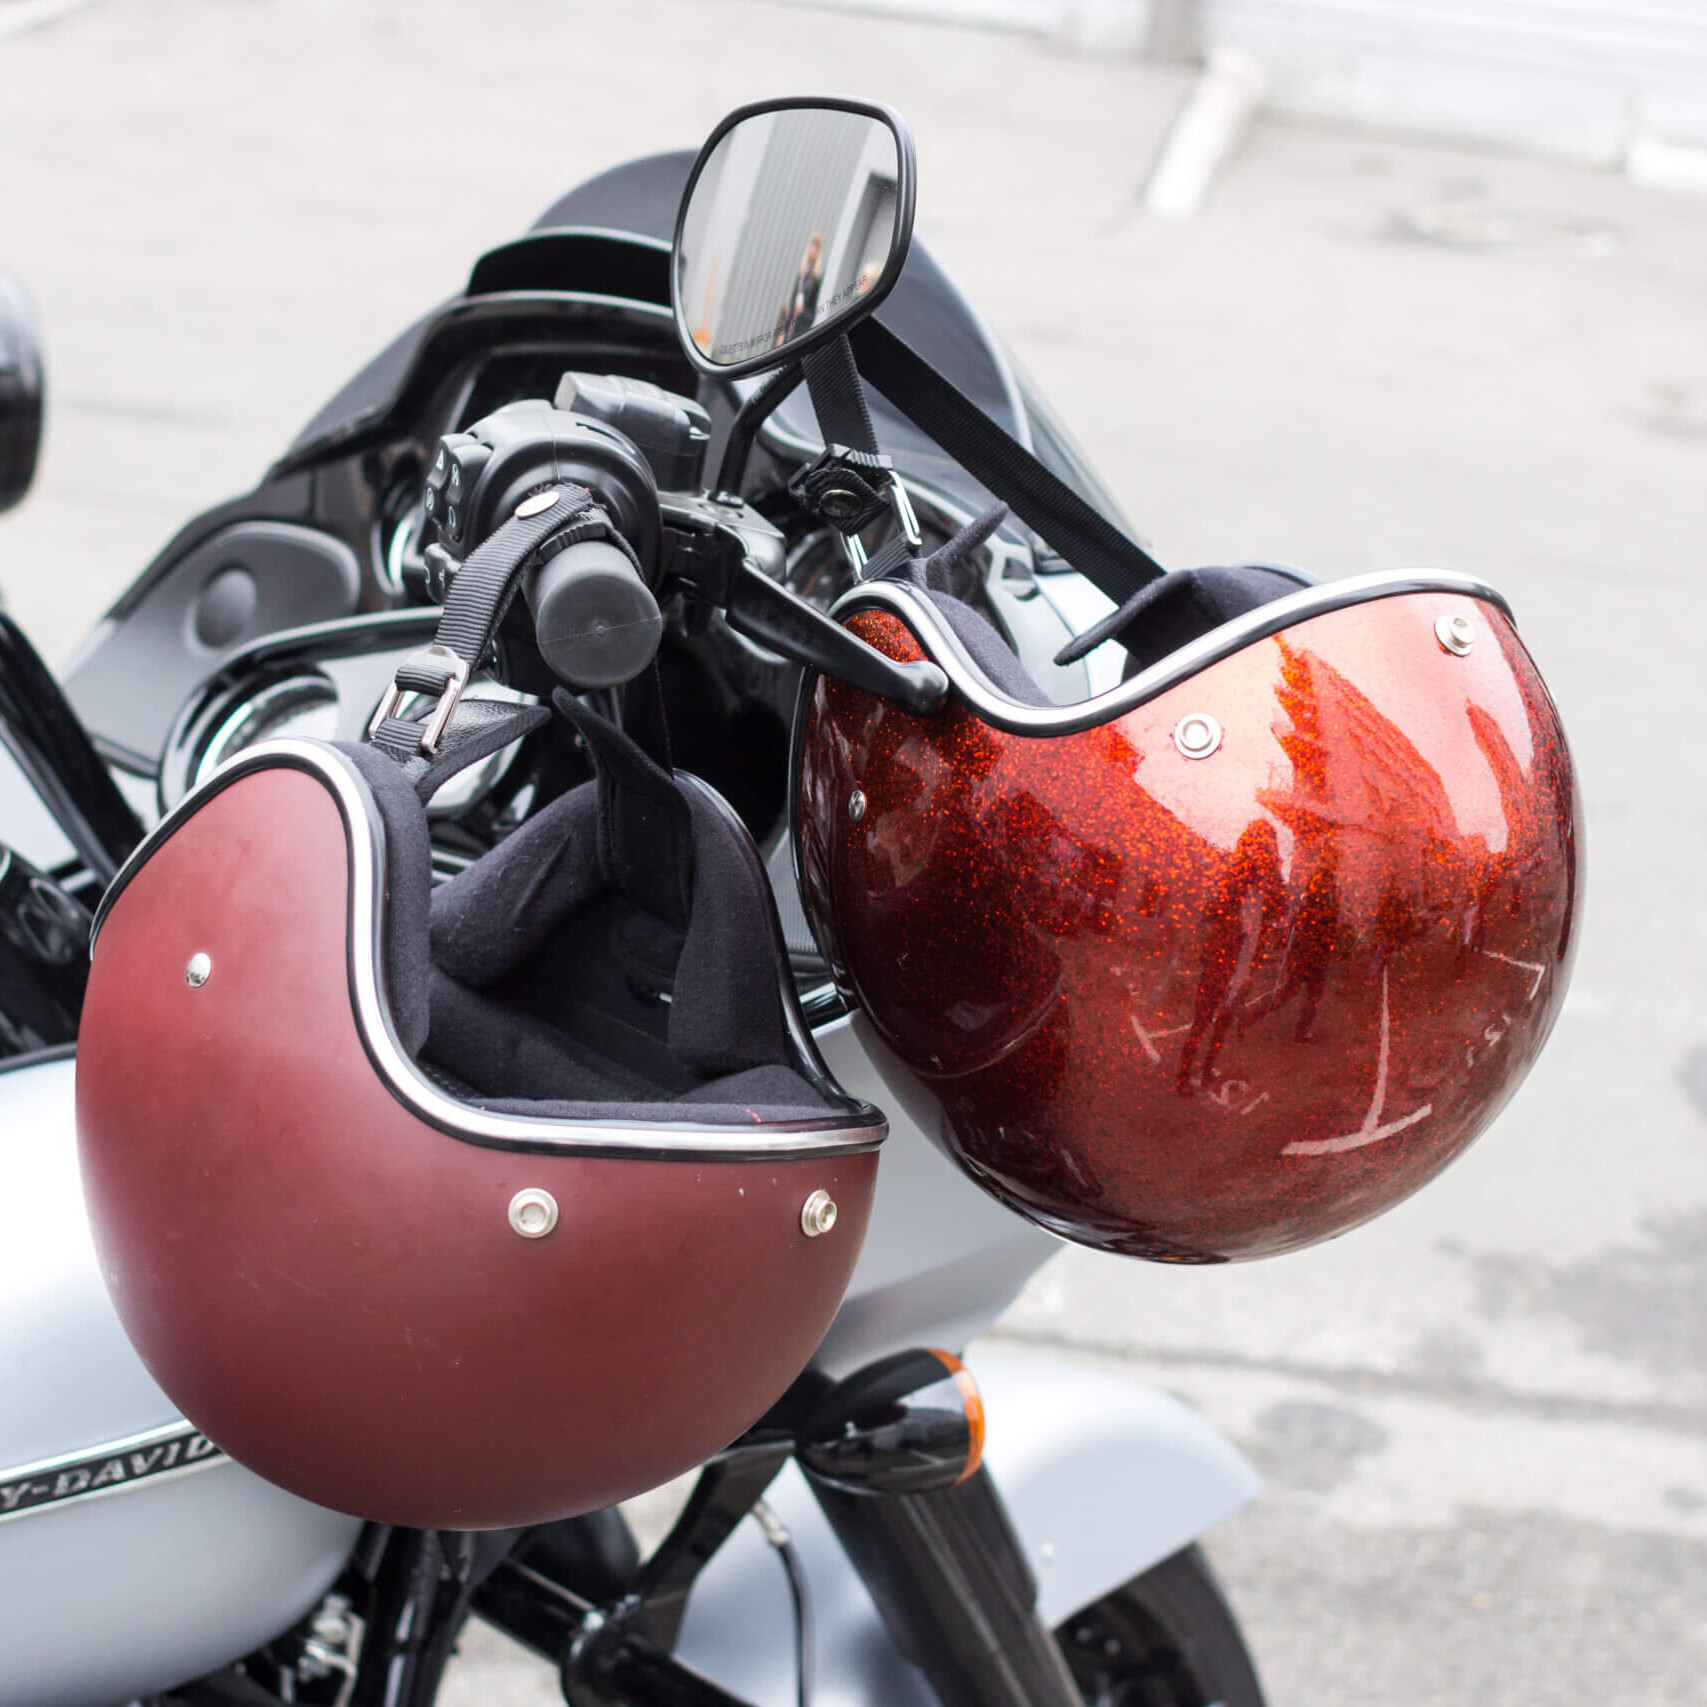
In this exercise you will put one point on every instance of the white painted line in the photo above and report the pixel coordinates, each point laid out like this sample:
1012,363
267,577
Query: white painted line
1210,126
1656,164
17,16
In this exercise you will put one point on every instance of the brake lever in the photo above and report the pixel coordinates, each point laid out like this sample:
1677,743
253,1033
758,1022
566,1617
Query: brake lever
768,612
719,551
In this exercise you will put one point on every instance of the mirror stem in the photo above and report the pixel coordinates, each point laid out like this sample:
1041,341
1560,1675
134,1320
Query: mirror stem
744,429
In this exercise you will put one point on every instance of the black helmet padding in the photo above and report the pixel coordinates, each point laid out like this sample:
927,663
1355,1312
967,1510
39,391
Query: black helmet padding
533,982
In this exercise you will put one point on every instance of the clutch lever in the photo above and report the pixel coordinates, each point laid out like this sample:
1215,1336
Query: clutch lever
768,612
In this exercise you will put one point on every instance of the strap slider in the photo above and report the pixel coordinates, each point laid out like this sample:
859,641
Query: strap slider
846,488
436,670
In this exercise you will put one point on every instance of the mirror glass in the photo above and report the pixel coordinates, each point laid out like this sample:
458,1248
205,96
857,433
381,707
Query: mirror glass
793,225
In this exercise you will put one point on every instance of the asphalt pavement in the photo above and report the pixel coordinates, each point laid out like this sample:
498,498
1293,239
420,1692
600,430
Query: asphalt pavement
1484,1418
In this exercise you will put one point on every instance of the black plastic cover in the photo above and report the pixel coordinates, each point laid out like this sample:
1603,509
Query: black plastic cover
610,237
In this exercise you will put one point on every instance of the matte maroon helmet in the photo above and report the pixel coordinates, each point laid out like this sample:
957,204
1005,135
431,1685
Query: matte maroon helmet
1231,957
464,1208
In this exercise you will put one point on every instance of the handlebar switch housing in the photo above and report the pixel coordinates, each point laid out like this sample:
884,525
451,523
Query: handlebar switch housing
672,432
479,476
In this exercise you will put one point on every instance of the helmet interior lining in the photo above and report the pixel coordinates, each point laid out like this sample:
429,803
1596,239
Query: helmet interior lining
513,980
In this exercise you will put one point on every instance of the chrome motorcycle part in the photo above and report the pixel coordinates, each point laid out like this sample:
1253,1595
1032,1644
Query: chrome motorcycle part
198,971
298,705
322,683
332,1648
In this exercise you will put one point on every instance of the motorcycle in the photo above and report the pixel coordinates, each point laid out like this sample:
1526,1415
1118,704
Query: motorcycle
864,1541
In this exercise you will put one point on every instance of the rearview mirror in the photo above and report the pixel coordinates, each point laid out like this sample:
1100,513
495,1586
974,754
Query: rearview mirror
795,223
20,391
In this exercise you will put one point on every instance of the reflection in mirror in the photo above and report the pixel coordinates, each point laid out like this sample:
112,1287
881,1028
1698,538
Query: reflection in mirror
790,226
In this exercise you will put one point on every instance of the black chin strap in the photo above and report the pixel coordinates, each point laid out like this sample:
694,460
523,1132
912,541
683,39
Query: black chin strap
645,826
1045,503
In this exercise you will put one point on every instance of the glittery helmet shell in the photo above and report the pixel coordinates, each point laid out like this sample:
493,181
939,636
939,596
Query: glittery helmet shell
1232,960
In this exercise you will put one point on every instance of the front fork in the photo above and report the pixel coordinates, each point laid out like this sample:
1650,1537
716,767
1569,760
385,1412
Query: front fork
892,1456
950,1578
944,1568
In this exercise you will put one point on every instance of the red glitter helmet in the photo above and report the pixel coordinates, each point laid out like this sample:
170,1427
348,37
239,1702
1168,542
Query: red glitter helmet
468,1207
1223,961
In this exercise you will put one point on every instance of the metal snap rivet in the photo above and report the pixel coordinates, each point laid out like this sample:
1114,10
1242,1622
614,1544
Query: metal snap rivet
1197,735
1456,634
533,1213
817,1214
538,504
199,970
856,805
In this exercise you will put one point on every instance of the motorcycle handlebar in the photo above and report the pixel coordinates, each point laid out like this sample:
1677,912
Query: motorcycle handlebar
596,621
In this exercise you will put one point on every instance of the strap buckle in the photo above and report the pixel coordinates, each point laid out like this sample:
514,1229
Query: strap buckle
846,488
901,505
430,661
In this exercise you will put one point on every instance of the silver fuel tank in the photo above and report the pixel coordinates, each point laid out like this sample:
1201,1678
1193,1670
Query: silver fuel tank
133,1554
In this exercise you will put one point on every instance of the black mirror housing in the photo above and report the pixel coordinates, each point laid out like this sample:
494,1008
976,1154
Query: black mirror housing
795,224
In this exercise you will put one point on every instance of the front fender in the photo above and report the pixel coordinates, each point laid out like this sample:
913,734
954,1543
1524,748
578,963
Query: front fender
1103,1477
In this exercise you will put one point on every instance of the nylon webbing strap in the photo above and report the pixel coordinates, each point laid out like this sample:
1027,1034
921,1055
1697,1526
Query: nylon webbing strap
838,398
486,583
479,596
894,558
1045,503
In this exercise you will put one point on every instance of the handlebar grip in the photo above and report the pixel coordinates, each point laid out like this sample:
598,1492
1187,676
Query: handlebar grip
596,621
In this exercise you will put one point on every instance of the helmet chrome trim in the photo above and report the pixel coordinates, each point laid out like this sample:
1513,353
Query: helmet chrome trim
860,1128
1001,711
